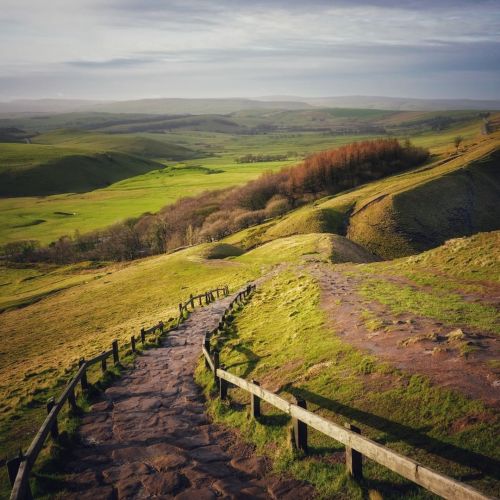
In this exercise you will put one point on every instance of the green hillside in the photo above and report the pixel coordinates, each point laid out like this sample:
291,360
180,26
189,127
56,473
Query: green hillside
405,213
287,314
293,338
144,147
35,170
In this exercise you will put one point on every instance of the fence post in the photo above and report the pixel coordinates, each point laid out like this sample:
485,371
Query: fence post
116,356
13,467
143,336
353,458
255,403
83,380
104,365
217,293
180,310
300,428
132,343
223,386
207,348
72,400
216,365
191,300
161,326
54,430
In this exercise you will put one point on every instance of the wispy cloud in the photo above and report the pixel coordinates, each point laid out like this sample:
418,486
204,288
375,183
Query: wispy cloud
228,47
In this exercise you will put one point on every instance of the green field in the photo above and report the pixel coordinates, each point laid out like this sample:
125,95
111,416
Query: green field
101,303
45,218
52,315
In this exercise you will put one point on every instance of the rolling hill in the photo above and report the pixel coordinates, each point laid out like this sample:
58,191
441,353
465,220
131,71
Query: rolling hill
406,213
229,105
320,280
134,145
53,170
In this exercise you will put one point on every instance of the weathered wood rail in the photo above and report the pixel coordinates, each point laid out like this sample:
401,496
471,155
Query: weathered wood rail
208,297
356,445
19,468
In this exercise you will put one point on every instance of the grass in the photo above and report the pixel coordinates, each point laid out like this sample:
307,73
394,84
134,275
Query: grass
437,283
310,221
280,339
54,315
135,145
24,285
66,213
50,217
449,308
113,302
395,216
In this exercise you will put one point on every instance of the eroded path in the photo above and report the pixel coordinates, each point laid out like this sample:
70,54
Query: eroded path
414,343
150,437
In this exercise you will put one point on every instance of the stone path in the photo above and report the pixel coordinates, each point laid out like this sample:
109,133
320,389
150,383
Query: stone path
150,437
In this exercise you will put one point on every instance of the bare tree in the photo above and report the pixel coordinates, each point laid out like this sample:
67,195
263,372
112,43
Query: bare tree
457,141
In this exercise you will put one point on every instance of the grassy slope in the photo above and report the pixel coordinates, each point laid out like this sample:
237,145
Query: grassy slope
116,301
135,145
112,302
281,339
74,173
19,217
45,219
395,216
442,277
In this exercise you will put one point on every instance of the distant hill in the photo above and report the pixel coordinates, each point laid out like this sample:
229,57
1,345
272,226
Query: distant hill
129,144
150,106
392,103
178,106
39,170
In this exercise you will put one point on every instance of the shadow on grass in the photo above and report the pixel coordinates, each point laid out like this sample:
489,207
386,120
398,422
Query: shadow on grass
250,364
398,432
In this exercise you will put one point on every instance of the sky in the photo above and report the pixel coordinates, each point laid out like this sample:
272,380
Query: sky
130,49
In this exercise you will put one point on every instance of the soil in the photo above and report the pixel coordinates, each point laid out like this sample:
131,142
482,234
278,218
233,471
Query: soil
151,438
413,343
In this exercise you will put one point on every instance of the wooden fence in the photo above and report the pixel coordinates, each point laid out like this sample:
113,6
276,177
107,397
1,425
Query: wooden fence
208,297
19,468
356,445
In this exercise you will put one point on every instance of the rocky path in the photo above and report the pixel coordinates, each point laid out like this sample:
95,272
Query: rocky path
150,437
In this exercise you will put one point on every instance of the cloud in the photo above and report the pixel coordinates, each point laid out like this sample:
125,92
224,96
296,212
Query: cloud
110,63
130,48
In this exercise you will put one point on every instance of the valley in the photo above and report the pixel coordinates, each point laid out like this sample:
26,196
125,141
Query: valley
376,303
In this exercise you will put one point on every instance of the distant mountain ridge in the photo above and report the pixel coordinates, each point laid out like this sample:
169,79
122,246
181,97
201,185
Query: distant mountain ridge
174,106
171,106
393,103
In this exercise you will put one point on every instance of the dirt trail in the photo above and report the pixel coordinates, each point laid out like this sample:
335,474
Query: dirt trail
150,437
414,343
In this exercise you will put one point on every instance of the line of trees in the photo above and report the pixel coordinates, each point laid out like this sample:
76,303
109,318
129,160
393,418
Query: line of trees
213,215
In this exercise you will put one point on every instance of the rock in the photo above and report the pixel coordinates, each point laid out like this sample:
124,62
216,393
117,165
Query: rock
254,466
455,335
169,461
165,483
196,494
207,454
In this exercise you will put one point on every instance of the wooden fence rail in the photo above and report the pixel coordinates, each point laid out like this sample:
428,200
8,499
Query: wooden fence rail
208,297
19,468
349,435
